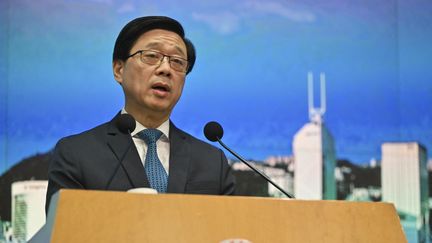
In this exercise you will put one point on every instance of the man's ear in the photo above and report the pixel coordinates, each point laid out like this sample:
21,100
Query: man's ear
118,66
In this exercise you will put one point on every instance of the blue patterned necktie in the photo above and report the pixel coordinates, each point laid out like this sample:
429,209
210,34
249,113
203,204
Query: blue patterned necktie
156,173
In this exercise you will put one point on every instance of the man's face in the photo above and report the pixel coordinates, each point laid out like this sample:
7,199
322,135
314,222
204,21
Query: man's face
152,88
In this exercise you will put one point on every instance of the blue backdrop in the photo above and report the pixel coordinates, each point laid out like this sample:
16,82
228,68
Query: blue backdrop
251,71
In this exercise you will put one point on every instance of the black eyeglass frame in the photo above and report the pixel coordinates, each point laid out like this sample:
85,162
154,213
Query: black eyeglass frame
159,62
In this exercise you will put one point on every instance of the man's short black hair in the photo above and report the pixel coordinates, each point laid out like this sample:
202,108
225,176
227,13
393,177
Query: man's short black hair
135,28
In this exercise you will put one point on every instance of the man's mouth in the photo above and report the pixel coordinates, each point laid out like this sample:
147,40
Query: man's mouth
161,87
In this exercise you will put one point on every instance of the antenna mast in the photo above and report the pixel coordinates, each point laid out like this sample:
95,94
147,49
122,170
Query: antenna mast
316,114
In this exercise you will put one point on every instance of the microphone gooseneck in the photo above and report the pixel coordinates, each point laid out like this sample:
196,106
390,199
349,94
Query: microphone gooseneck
213,131
126,124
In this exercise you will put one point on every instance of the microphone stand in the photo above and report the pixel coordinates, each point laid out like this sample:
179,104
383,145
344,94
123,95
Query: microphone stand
254,169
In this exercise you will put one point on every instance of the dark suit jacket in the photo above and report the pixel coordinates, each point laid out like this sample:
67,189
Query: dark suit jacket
89,159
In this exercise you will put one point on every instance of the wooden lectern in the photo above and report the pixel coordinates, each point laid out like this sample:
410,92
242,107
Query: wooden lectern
103,216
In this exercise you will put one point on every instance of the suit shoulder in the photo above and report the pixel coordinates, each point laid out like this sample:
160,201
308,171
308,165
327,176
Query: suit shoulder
198,143
85,136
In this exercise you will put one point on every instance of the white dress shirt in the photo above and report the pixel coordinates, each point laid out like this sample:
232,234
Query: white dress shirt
162,144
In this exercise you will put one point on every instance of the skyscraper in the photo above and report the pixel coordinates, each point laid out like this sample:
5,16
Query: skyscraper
314,153
404,180
28,208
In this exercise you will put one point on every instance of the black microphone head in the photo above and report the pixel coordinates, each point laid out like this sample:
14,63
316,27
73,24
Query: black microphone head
213,131
126,123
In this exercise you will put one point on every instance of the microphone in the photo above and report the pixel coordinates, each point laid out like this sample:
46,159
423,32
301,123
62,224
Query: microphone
213,131
126,124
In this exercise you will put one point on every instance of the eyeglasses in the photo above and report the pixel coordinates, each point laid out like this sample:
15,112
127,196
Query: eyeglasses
155,58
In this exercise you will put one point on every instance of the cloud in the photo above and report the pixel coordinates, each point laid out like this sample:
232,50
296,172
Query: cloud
223,23
227,22
109,2
126,8
275,8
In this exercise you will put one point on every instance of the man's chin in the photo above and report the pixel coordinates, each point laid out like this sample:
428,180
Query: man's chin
160,108
155,106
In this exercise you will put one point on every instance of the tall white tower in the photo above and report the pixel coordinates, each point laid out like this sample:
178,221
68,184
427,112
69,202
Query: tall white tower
314,152
28,208
404,180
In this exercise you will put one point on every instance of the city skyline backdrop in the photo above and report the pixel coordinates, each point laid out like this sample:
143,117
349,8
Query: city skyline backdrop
251,71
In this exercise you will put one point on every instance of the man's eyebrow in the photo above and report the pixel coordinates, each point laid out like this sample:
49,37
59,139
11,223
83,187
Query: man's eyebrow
157,44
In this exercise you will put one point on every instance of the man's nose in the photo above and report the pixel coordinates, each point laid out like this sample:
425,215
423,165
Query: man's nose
164,67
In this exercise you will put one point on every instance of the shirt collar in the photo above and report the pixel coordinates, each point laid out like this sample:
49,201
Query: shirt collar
164,127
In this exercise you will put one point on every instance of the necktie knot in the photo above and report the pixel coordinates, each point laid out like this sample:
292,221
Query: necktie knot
150,136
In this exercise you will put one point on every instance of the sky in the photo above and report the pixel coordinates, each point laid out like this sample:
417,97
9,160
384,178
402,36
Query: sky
250,74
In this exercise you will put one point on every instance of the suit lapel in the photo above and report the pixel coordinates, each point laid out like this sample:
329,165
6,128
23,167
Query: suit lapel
118,143
179,161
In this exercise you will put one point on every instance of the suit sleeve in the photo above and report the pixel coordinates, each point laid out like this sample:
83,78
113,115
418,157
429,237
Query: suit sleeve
227,177
64,170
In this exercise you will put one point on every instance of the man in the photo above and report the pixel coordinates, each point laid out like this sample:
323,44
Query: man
150,61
